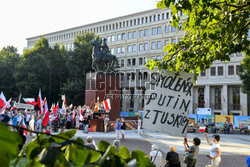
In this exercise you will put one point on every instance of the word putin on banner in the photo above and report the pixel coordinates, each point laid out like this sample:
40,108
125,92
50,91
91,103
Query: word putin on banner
166,109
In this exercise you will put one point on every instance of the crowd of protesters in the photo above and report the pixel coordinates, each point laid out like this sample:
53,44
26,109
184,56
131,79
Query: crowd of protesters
79,118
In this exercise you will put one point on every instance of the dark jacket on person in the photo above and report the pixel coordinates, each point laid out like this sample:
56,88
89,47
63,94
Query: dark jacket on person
124,126
173,159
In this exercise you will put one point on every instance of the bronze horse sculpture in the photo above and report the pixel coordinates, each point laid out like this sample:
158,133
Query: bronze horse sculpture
101,56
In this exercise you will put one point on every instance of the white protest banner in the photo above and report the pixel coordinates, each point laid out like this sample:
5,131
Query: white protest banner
24,106
168,103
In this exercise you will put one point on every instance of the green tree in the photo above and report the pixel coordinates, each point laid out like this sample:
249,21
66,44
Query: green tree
78,64
245,75
42,67
9,59
213,30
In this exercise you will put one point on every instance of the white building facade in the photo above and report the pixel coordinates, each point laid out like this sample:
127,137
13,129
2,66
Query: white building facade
139,37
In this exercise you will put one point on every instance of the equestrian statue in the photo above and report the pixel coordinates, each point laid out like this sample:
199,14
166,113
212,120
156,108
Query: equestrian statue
102,59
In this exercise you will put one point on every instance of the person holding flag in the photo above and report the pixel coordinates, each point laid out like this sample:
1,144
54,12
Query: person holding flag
45,120
57,107
23,133
40,102
77,120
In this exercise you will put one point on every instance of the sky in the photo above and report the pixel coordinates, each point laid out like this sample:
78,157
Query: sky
21,19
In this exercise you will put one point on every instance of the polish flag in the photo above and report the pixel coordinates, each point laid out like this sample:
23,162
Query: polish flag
40,101
2,100
64,99
57,106
107,105
202,129
25,133
55,109
81,115
44,101
30,101
45,120
7,105
73,115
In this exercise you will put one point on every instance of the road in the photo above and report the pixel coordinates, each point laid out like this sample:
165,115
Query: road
235,148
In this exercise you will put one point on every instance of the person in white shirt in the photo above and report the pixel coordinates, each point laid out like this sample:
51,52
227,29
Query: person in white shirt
39,124
155,156
77,121
19,119
27,118
139,123
215,152
31,124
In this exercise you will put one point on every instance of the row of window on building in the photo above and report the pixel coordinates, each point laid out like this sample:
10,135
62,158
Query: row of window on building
131,76
219,71
133,61
133,22
217,99
142,46
142,33
155,30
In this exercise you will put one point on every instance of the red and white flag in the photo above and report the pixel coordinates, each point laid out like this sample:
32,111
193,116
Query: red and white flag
7,105
40,101
44,101
25,133
54,108
57,106
73,115
45,120
64,99
30,101
81,114
107,105
2,100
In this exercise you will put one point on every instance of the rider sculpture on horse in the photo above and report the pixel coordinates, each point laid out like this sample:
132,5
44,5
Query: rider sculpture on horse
102,59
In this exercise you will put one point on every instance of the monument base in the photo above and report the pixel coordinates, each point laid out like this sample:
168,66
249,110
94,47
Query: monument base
101,86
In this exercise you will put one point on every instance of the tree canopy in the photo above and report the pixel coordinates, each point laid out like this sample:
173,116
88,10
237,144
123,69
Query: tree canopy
42,67
78,64
53,69
9,59
244,74
214,30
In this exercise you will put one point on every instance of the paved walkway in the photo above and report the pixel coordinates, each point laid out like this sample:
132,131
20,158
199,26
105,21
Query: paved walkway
235,148
231,144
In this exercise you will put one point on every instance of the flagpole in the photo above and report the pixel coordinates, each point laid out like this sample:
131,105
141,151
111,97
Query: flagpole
49,85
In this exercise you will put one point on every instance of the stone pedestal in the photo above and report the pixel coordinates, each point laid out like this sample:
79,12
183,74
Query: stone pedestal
96,125
101,86
125,101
